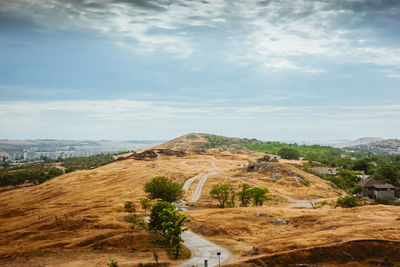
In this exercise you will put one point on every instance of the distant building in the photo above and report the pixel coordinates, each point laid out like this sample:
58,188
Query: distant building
363,176
373,189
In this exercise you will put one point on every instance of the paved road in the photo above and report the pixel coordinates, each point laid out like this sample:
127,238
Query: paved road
203,249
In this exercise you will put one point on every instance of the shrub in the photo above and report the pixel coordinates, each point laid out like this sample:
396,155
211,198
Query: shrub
357,190
112,263
347,202
289,153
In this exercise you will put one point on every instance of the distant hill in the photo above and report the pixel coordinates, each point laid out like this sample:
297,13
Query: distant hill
381,145
357,142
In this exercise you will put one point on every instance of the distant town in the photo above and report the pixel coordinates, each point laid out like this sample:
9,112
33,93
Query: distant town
28,151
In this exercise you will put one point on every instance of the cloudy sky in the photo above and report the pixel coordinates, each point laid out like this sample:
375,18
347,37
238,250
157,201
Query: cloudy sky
157,69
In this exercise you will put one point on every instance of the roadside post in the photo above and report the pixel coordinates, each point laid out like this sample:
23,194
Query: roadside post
219,261
205,263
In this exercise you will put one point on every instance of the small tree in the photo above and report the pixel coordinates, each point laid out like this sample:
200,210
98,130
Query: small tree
130,207
164,189
259,195
156,220
146,204
221,193
245,194
166,220
232,195
172,224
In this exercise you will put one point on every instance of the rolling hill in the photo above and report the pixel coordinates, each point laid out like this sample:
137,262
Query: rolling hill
77,219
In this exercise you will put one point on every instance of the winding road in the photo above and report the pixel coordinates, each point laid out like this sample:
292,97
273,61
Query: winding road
201,248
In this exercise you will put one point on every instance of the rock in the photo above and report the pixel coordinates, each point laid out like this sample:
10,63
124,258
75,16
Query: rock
255,251
260,214
276,176
280,221
275,169
298,179
398,219
334,228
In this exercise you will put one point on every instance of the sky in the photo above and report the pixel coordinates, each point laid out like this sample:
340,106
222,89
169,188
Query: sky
158,69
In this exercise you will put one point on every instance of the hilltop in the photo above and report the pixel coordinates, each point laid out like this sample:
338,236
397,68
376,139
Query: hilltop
78,218
194,141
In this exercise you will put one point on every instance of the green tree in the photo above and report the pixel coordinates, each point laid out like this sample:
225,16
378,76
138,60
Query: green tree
288,153
357,190
259,195
232,195
156,220
146,204
349,177
388,172
172,224
361,165
164,189
245,194
221,193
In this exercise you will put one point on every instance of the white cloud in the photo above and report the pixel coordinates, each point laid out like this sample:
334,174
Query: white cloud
282,35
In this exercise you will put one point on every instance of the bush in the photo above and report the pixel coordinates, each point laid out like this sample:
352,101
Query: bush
357,190
289,153
113,263
347,202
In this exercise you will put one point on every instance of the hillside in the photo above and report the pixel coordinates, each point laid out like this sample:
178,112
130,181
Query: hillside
78,218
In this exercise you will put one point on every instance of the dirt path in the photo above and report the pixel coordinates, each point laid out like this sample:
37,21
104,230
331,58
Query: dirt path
204,176
302,203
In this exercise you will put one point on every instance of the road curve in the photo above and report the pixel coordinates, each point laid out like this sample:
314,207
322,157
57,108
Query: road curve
203,249
302,203
199,187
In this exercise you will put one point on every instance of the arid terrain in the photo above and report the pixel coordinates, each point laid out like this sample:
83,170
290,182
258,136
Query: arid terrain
77,219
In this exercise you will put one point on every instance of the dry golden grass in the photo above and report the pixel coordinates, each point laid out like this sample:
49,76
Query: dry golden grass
78,218
239,229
